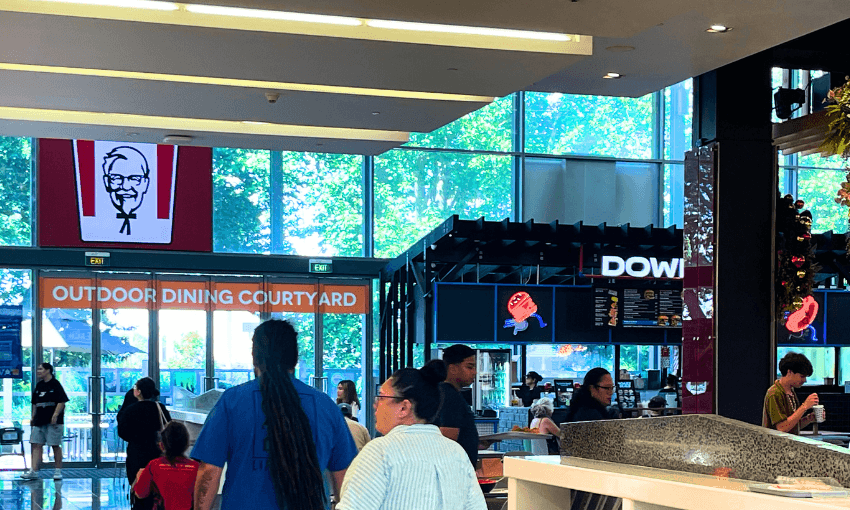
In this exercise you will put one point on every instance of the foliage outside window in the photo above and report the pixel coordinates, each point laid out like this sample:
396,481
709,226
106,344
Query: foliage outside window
241,211
15,191
674,189
415,191
15,285
589,125
489,128
822,359
322,205
817,189
678,117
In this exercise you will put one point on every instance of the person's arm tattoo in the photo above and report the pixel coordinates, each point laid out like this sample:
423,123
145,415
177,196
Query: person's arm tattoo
206,485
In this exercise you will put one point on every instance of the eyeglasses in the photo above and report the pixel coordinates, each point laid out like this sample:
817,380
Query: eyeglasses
606,388
118,179
386,396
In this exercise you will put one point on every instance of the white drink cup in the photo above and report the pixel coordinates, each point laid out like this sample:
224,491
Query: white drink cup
819,413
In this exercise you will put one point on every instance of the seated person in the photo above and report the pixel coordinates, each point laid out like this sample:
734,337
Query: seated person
591,401
542,410
172,475
670,392
359,433
413,465
782,409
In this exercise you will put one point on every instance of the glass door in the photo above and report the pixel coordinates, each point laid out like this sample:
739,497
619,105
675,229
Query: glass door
66,341
124,335
182,354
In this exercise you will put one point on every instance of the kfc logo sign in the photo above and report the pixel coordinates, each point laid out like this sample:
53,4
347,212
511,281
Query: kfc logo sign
125,191
641,267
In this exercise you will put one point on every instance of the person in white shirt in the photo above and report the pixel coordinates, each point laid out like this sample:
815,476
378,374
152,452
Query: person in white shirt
358,432
346,393
413,466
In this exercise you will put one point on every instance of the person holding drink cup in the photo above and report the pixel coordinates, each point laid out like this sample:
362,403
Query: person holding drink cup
782,409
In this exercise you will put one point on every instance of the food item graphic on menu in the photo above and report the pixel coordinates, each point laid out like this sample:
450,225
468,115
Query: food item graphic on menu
612,312
521,307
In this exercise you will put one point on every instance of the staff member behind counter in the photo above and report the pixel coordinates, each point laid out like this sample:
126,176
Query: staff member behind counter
529,392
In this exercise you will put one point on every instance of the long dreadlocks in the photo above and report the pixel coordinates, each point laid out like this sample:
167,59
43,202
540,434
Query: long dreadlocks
293,464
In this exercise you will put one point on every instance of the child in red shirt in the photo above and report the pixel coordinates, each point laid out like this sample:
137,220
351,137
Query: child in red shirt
172,475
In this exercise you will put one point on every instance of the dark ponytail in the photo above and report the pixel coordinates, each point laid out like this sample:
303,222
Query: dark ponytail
175,440
421,388
293,465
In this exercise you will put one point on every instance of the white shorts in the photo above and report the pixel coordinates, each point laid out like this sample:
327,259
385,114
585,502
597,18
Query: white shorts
50,435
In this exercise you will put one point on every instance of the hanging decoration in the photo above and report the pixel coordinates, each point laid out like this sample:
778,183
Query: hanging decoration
795,266
843,198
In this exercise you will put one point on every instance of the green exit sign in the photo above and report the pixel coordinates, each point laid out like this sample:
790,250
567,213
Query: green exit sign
321,266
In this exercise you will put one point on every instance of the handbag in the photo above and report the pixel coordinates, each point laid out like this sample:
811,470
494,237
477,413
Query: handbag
162,421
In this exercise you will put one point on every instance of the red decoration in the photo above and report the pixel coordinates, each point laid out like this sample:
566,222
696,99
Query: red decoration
521,306
800,320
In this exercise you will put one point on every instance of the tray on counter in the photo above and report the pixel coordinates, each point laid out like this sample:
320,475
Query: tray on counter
504,436
789,491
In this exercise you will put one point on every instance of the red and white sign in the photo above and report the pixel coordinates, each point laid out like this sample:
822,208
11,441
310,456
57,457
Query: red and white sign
97,194
125,191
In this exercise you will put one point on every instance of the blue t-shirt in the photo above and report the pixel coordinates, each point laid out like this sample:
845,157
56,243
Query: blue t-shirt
234,433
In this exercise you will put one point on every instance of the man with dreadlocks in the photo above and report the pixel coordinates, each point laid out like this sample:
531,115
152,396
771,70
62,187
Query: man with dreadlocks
276,434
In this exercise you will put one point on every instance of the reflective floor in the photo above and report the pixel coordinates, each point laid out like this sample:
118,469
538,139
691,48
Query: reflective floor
72,493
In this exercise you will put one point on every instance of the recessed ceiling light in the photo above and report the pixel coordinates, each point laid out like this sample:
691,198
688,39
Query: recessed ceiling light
613,76
620,48
376,113
718,29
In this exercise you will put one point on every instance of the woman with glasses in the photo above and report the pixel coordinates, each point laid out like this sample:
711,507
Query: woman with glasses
413,465
591,401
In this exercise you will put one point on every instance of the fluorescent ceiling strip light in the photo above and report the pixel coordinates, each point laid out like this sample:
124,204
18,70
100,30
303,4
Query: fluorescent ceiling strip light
458,29
240,12
235,82
130,4
319,25
125,120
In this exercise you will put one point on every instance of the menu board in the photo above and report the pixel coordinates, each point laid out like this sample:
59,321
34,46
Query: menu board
606,307
651,308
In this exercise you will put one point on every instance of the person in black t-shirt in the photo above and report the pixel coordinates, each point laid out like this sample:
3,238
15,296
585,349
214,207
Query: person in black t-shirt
456,420
530,391
48,418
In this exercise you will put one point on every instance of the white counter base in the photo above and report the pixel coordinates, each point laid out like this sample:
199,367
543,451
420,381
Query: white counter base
541,482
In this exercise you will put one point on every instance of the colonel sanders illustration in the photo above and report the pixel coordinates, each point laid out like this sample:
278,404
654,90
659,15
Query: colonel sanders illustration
126,178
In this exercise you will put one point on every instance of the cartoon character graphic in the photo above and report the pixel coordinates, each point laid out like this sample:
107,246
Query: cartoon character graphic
126,179
613,311
521,307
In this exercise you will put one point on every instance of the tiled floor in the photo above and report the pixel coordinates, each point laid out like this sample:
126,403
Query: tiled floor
99,490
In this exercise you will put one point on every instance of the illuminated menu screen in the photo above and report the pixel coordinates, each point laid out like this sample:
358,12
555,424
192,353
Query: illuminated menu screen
651,308
606,307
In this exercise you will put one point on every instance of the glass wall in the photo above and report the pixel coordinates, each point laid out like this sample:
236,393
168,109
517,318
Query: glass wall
15,191
822,359
417,190
568,361
618,127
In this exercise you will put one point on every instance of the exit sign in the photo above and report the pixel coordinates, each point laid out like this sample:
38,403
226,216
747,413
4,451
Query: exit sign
321,266
97,258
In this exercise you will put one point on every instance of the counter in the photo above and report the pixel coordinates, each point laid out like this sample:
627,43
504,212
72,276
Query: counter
549,482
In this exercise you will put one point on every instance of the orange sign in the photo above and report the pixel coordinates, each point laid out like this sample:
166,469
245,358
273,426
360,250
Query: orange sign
199,295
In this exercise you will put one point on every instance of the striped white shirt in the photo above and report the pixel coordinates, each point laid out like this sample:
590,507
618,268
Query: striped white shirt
413,467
